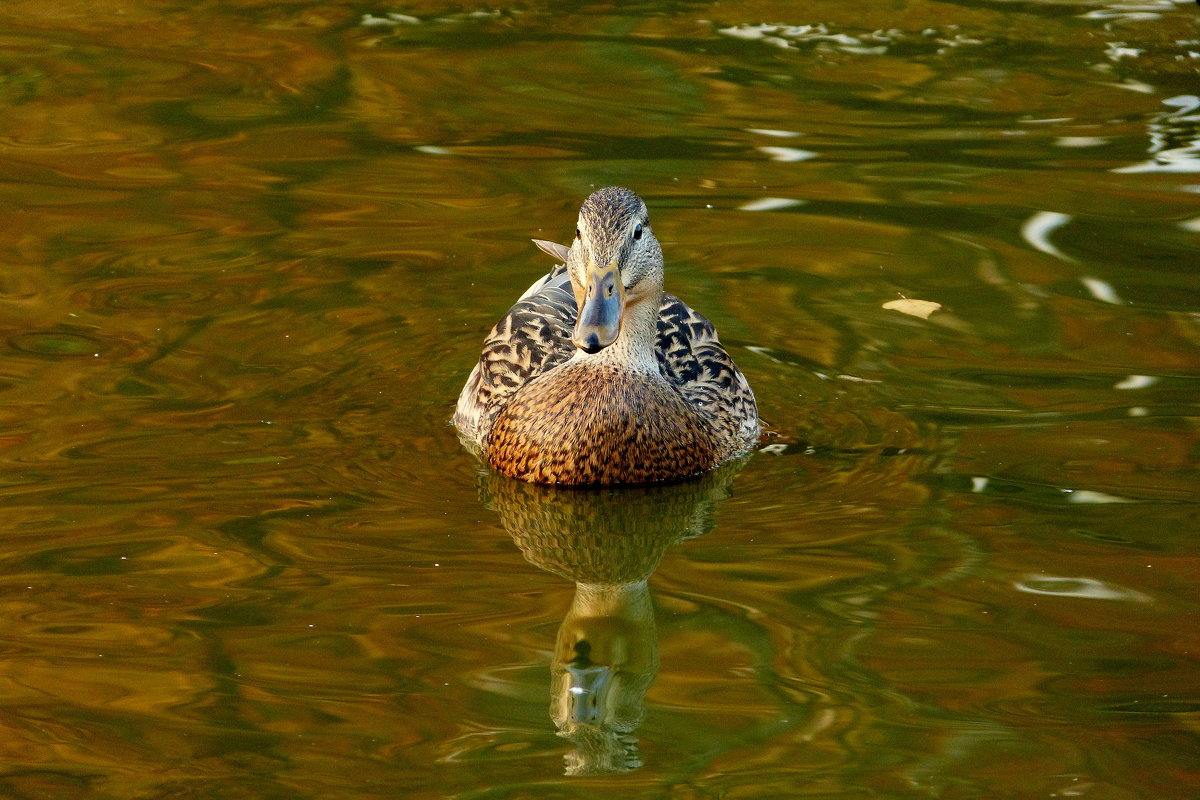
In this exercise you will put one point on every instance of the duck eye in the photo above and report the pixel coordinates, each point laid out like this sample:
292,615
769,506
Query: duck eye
637,232
578,235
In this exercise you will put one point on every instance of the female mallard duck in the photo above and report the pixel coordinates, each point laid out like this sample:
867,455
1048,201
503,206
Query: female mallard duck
596,376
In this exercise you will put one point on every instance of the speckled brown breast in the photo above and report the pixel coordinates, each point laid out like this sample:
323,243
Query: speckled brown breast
599,425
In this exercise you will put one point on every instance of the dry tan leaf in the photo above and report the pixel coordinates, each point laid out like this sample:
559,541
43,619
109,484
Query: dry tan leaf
915,308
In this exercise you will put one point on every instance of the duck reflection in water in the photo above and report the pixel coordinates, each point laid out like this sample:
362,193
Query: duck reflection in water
608,542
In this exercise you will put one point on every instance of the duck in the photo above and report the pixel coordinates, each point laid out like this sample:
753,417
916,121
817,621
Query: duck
597,376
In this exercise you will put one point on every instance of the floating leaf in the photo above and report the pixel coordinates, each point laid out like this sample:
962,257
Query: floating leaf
915,308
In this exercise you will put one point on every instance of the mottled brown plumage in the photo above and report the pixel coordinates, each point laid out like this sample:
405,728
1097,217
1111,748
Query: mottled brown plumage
641,430
596,376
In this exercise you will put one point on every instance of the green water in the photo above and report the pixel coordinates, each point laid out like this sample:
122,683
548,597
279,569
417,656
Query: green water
250,252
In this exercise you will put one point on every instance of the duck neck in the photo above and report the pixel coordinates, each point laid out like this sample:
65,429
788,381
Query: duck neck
634,348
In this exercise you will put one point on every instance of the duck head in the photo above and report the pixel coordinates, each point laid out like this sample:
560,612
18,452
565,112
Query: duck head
616,266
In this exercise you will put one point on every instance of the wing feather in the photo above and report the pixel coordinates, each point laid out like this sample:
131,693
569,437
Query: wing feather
693,358
532,338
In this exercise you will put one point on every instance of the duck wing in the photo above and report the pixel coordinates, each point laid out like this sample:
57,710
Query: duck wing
694,360
532,338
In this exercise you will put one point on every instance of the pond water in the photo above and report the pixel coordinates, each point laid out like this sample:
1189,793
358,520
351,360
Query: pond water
251,250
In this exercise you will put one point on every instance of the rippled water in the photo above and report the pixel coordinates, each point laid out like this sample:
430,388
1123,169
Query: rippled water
251,250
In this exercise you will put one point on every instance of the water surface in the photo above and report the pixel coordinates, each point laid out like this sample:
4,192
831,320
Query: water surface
251,251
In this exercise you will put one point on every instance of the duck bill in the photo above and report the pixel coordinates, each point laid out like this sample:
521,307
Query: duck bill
587,693
600,313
